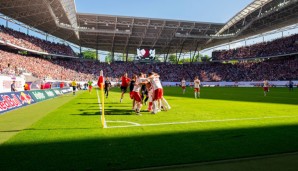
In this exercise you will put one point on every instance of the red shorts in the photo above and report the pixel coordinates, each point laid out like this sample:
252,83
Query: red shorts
90,87
131,95
197,89
266,89
158,93
183,87
136,96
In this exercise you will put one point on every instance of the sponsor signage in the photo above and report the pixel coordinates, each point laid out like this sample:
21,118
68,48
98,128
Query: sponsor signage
66,90
57,92
39,95
14,100
50,93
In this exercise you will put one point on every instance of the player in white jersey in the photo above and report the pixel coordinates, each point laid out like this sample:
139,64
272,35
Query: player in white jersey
266,87
197,84
150,96
183,85
136,92
157,91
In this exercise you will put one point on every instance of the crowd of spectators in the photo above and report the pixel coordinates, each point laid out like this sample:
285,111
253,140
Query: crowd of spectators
285,68
54,69
281,46
274,70
34,43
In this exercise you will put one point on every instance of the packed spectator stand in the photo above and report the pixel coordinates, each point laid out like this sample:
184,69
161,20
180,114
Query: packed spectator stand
83,70
283,68
33,43
277,47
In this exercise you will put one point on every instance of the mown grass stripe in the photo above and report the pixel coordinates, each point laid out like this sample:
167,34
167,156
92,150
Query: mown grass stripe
15,121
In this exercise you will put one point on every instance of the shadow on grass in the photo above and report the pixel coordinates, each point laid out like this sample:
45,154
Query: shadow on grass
118,153
107,112
86,98
118,112
87,113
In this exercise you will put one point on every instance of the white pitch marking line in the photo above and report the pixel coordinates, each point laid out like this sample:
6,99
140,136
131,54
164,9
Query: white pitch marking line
133,123
202,121
100,108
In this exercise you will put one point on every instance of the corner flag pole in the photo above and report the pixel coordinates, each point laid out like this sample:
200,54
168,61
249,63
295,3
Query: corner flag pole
103,120
100,84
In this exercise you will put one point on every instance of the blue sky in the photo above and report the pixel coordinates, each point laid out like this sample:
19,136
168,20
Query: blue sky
219,11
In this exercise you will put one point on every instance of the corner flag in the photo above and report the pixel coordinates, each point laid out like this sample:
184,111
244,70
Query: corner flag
100,79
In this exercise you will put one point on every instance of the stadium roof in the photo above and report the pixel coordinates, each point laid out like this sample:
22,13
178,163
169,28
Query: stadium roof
123,33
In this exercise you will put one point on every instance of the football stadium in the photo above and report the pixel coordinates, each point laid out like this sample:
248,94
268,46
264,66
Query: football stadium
86,90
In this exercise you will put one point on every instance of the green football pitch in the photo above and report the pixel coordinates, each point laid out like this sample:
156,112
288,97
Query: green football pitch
225,124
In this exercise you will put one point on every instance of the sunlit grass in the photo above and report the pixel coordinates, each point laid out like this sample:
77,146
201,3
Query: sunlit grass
232,123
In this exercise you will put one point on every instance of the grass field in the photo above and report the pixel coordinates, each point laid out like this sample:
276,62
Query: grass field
225,123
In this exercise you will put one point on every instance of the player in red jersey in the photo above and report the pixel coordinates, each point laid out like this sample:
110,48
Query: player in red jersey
131,86
125,82
90,86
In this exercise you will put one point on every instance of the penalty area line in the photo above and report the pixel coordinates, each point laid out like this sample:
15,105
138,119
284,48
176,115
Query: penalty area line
198,121
132,123
100,109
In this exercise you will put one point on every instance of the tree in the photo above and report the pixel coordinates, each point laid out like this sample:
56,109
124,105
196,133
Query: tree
206,58
185,60
198,58
89,54
118,57
130,58
172,58
108,57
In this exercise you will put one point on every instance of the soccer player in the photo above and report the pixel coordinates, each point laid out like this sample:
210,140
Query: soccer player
158,91
107,86
191,85
124,85
150,96
90,86
266,87
183,85
74,86
291,85
131,86
136,93
144,93
197,84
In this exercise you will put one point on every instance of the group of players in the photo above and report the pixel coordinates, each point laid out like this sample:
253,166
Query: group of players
196,83
143,88
266,86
